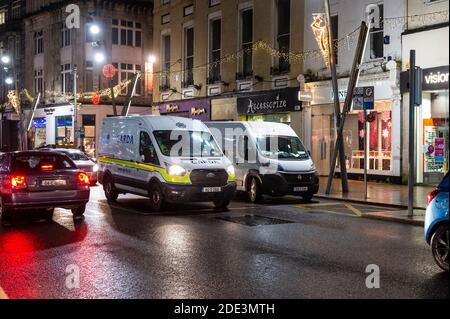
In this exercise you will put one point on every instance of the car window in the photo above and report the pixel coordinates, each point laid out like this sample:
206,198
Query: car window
147,150
444,184
36,163
77,156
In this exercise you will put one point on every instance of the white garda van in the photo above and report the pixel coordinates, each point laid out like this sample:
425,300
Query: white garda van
269,159
168,159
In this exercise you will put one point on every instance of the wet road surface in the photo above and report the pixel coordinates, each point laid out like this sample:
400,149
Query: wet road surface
278,249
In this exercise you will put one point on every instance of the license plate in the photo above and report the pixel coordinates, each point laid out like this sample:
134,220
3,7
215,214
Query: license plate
211,189
54,182
300,189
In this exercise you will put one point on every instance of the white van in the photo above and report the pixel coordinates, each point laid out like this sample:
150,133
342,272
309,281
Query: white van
269,159
168,159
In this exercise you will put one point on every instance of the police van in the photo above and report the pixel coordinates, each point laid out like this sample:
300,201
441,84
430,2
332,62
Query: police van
168,159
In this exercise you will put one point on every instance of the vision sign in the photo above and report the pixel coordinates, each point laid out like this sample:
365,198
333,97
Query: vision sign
433,79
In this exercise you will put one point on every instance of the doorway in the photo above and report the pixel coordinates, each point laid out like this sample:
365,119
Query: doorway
322,142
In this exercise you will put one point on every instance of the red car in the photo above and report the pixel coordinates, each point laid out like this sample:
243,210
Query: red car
41,181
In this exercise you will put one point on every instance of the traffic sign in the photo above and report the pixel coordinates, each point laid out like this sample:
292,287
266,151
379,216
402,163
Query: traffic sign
364,98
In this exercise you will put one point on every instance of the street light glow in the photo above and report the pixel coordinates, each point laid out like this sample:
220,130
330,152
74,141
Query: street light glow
6,59
99,57
94,29
151,59
9,80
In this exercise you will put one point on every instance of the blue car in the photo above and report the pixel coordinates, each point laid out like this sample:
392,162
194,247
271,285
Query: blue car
436,223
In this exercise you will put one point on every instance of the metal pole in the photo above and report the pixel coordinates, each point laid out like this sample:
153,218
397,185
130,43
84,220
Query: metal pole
337,106
113,98
126,109
412,122
36,103
365,153
354,76
75,106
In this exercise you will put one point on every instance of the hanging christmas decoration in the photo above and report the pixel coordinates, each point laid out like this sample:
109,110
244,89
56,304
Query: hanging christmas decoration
14,100
96,99
319,28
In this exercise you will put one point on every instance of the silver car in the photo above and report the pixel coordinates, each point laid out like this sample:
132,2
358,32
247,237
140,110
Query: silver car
41,181
83,162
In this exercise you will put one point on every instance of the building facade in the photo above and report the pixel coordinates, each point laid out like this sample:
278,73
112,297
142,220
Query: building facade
229,59
380,69
56,44
429,37
12,47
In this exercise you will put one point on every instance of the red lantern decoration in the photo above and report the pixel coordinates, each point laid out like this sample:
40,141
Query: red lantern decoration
109,71
96,99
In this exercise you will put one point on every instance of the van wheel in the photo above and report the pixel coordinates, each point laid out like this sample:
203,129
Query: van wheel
110,190
439,246
254,191
156,198
307,197
222,203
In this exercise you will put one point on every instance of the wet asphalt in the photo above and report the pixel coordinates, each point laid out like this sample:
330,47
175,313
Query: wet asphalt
269,250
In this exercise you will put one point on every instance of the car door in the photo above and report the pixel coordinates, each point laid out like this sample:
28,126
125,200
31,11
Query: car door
149,162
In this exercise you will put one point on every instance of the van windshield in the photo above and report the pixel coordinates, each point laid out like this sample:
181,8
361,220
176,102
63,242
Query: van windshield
288,148
187,144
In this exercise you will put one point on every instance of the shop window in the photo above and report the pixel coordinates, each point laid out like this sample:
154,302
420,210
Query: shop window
88,123
64,130
39,130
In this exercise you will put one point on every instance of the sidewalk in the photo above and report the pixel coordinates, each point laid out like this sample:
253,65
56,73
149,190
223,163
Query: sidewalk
378,193
382,194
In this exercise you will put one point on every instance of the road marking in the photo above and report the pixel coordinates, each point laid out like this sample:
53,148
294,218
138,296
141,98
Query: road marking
3,294
353,209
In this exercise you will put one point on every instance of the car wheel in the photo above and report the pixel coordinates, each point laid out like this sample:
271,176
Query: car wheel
78,212
5,216
156,198
307,197
439,246
110,190
254,191
222,203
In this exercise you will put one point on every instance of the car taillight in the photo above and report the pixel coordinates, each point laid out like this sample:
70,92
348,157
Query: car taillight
83,179
18,182
432,195
47,167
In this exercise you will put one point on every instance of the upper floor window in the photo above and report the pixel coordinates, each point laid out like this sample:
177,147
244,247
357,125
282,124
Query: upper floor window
188,58
165,62
39,42
65,36
38,81
2,15
163,2
127,33
66,78
215,48
246,25
16,9
125,72
377,35
284,33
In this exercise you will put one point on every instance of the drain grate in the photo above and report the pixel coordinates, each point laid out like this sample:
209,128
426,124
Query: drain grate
254,220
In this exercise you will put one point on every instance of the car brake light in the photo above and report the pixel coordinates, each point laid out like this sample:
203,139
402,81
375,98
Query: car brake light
18,181
83,179
47,167
432,195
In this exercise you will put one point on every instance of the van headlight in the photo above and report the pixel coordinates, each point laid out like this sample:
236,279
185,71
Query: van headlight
231,171
95,168
176,170
313,167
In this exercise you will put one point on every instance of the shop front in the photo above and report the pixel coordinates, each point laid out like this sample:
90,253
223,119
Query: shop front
280,106
432,125
198,109
384,127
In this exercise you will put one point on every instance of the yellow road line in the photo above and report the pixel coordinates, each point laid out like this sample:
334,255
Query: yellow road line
3,294
353,209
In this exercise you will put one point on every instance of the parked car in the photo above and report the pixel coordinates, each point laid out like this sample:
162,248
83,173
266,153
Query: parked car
166,158
436,223
83,162
269,158
41,181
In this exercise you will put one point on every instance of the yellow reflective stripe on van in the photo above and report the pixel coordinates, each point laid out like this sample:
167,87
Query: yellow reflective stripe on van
151,168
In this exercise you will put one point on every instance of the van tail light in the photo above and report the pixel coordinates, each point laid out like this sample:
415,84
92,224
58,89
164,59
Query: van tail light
18,182
83,179
432,195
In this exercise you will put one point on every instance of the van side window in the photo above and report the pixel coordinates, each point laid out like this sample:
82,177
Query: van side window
147,151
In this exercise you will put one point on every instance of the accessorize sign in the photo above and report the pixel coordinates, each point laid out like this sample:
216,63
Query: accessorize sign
195,109
279,101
